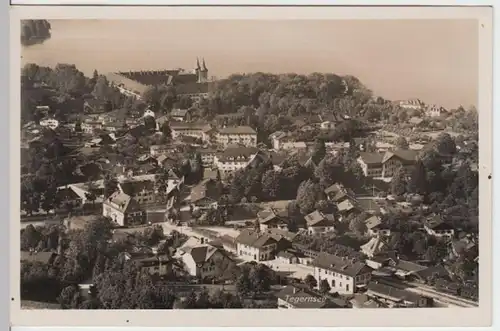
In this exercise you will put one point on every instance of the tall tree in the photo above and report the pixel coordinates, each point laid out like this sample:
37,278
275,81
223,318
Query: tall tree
418,181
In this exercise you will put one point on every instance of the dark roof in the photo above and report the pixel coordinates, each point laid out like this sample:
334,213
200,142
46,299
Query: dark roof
234,153
237,130
122,202
254,239
190,126
317,218
133,187
409,266
439,271
405,155
350,267
392,293
205,189
371,158
67,193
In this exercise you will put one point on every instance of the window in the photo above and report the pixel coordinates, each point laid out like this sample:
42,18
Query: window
347,287
333,283
340,284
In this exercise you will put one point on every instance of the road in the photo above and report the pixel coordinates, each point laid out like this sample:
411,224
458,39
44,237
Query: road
449,300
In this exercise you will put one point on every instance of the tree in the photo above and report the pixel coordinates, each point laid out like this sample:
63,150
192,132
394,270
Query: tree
399,182
418,181
310,281
358,226
67,297
319,151
324,287
445,144
29,238
110,185
272,185
329,171
401,142
308,193
166,130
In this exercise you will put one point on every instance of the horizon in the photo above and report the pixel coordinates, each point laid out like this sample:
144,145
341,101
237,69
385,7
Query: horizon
414,59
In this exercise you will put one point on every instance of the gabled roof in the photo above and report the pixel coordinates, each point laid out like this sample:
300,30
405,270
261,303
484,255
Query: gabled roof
374,246
254,239
406,155
235,153
67,193
317,218
122,202
371,158
373,222
201,253
342,265
346,205
392,293
205,190
133,187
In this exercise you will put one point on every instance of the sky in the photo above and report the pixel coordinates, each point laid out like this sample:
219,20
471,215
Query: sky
434,60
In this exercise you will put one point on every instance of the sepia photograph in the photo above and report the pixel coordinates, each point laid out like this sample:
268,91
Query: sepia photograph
173,164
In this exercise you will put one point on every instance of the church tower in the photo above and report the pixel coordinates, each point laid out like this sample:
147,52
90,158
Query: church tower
202,72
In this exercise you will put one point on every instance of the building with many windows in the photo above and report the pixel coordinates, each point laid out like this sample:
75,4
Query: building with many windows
344,275
243,135
385,165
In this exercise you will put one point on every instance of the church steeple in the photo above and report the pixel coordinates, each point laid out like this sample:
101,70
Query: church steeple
204,65
198,64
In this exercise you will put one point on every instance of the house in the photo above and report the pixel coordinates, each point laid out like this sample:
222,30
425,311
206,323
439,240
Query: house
95,106
207,157
338,193
259,246
436,227
346,208
277,138
205,195
271,218
287,257
374,247
243,135
424,276
386,164
142,191
233,158
404,269
435,111
205,261
344,275
157,150
123,210
465,247
317,223
68,197
49,122
394,297
90,127
297,296
196,130
181,115
412,104
160,265
375,227
35,256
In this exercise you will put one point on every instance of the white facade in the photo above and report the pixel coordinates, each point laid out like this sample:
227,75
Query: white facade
247,139
343,284
207,269
256,253
51,123
228,166
315,230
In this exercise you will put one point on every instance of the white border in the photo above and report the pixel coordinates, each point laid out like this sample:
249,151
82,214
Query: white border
350,317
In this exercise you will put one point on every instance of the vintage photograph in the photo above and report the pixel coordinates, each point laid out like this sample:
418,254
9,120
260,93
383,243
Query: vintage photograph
250,164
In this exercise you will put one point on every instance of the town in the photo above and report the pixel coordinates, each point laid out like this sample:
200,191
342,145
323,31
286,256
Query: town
171,189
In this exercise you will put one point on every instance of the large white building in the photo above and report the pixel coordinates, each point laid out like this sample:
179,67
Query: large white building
344,275
196,130
384,165
243,135
233,158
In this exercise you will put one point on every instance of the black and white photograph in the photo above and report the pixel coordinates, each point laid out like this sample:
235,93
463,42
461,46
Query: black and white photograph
250,164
